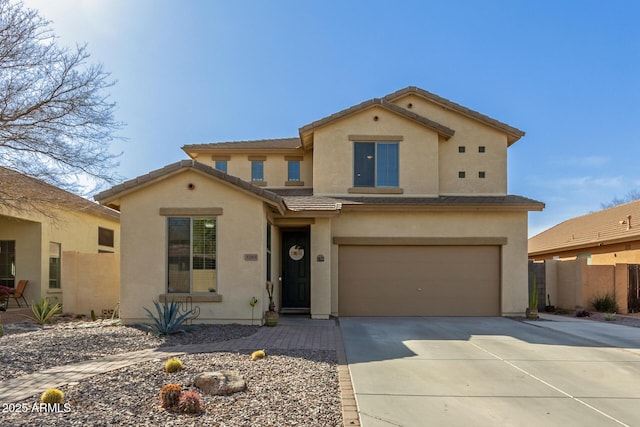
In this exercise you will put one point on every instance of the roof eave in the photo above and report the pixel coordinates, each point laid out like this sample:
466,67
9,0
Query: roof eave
306,132
513,133
585,245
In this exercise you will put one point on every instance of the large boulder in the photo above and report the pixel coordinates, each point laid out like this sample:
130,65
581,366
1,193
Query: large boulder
220,382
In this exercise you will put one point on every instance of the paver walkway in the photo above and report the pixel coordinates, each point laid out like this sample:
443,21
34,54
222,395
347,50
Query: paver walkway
290,334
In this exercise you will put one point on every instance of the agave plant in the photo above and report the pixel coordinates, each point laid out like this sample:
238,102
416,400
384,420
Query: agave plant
168,320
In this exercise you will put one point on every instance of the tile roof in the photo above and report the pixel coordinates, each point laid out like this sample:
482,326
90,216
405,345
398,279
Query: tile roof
442,130
617,224
276,143
116,192
514,133
308,202
18,188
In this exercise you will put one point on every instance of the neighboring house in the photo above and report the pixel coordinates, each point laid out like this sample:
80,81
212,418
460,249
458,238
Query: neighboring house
607,237
394,207
42,239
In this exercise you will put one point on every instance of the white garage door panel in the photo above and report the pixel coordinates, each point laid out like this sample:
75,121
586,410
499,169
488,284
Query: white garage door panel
419,280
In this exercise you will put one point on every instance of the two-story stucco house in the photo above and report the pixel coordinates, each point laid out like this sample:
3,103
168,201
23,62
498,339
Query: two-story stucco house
394,207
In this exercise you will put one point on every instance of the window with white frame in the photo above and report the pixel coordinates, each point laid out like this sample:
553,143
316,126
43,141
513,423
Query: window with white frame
191,254
375,164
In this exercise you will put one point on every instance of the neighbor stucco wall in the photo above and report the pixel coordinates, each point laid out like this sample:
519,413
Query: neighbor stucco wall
27,235
74,231
512,225
90,282
241,229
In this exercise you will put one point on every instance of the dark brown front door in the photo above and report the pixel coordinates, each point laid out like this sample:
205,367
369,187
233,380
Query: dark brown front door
296,264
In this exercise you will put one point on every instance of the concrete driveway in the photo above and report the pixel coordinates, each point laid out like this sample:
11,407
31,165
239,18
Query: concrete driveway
493,372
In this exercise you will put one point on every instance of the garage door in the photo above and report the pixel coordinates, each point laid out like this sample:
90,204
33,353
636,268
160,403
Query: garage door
419,280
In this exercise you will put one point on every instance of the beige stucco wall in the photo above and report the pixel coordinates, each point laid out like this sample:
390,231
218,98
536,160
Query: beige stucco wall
275,167
90,282
333,152
471,134
512,225
578,284
75,231
241,230
321,245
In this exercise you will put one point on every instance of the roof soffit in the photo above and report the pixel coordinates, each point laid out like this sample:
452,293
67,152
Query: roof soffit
112,196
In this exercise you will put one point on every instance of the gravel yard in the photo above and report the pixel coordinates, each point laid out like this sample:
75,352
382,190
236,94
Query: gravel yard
287,388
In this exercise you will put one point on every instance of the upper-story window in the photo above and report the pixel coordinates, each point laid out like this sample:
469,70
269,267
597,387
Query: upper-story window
375,164
293,170
257,170
105,237
221,165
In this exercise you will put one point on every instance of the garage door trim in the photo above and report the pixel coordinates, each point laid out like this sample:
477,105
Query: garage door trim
420,241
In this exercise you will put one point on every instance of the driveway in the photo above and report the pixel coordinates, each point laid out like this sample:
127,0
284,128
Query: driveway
493,372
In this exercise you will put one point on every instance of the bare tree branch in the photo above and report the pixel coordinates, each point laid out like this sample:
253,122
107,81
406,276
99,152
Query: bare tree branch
56,120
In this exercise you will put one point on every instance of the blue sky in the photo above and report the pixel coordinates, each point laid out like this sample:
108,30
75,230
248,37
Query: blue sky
565,72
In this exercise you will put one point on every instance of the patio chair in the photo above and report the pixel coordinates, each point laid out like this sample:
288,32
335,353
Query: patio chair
18,292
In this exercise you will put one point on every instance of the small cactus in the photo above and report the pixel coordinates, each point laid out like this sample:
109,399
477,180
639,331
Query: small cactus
173,364
170,395
190,402
258,355
52,395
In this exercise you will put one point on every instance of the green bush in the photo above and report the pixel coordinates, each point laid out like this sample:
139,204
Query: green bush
168,319
43,311
605,304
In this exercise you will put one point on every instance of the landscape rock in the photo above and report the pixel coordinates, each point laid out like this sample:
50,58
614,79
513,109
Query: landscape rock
220,382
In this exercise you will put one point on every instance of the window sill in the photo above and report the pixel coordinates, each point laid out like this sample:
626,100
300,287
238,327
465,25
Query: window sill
294,183
375,190
259,183
179,297
54,291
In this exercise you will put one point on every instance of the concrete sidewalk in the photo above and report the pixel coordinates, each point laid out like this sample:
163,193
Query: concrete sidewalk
610,333
290,334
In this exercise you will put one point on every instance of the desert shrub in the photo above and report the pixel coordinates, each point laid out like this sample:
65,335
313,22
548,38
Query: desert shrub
170,395
173,364
52,395
190,403
605,304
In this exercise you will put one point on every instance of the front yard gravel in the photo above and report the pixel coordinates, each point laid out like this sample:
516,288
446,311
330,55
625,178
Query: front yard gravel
287,388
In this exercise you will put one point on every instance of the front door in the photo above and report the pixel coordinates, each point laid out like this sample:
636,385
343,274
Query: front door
296,265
